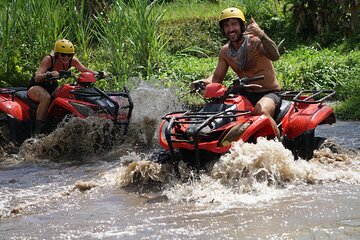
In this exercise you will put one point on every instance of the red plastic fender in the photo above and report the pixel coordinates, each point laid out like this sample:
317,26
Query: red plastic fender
308,118
162,139
214,90
64,104
260,127
11,108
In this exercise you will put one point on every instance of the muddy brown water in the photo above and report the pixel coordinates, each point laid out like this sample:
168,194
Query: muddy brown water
118,193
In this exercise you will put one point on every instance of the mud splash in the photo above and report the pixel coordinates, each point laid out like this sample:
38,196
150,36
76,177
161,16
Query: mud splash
249,173
75,143
78,139
73,139
279,166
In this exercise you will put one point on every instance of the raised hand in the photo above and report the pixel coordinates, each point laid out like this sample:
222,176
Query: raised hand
254,29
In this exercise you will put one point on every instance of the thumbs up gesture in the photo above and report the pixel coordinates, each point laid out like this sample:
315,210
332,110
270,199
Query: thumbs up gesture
254,29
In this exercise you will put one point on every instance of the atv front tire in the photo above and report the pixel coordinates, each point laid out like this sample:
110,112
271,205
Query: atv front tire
5,133
302,146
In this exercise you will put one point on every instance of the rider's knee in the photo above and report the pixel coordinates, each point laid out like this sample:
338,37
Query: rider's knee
267,108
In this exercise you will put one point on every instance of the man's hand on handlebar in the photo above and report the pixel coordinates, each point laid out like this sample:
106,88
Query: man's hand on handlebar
101,75
198,85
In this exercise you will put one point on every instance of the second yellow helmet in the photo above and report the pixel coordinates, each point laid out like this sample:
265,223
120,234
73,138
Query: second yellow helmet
64,46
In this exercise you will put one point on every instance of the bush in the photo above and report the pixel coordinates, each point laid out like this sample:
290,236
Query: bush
194,33
309,68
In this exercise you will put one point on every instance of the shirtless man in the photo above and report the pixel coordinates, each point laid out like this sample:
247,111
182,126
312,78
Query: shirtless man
249,53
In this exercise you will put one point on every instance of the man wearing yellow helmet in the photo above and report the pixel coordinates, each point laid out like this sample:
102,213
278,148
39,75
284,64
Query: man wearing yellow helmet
250,53
41,87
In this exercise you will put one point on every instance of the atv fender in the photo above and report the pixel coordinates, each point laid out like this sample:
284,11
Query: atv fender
64,104
261,126
162,139
12,109
308,118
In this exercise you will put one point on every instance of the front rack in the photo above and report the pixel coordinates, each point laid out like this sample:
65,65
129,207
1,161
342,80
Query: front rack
199,120
96,92
308,96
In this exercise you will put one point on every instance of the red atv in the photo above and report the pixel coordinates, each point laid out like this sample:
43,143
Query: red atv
198,137
79,99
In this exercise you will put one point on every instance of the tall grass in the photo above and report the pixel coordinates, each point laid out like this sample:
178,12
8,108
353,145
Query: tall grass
146,41
129,33
40,24
8,29
125,39
31,30
80,27
114,38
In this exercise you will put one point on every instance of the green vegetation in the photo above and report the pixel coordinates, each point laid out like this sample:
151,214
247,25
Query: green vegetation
178,41
122,38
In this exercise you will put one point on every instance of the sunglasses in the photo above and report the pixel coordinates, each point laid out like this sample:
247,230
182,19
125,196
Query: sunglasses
65,55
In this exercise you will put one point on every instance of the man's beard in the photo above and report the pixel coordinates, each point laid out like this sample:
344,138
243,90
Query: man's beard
237,39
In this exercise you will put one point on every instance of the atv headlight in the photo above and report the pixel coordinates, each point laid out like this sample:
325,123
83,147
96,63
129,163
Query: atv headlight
234,134
83,109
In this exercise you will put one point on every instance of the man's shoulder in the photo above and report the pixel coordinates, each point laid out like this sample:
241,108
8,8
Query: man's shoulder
225,46
224,49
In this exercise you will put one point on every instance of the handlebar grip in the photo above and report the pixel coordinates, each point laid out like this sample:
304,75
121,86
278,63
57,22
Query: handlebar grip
199,85
101,75
64,74
256,78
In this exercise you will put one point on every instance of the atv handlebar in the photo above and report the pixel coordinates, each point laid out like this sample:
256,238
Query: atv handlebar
245,80
196,88
100,75
69,74
239,83
199,86
62,74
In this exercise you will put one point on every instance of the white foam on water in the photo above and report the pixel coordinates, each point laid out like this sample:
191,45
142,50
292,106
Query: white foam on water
248,174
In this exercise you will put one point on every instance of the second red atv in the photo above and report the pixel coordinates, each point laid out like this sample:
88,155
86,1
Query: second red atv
79,99
200,136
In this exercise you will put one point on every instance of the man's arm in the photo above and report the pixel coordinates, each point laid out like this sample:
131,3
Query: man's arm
269,48
221,68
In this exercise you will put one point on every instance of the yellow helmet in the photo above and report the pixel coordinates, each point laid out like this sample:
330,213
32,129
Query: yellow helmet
64,46
231,13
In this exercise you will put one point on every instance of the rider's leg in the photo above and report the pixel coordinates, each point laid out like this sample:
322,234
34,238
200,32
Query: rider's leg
267,106
40,95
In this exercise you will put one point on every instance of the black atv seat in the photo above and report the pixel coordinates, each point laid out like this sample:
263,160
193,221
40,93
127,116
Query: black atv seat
284,108
22,95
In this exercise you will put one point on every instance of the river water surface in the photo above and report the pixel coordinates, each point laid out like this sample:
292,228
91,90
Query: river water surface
63,186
